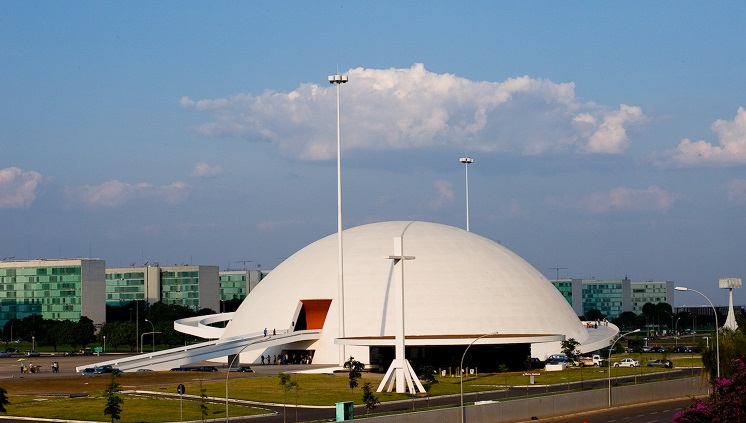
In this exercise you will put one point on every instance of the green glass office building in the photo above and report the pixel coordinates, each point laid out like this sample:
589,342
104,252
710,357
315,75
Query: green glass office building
63,289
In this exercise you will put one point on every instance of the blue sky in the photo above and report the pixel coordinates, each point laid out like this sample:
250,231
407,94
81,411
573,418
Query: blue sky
608,138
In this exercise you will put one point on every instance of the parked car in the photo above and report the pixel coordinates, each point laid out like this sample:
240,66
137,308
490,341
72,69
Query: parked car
32,353
627,362
658,349
242,369
556,359
88,371
536,363
205,369
594,360
106,369
667,364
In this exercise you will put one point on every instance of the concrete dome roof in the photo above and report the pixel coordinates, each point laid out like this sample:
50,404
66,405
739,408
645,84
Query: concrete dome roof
458,283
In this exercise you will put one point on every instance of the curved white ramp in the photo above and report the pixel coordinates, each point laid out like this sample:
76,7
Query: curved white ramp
175,357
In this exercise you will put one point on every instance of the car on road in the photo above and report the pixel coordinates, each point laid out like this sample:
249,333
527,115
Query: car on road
12,350
243,369
32,353
106,369
4,354
682,349
204,369
627,362
666,364
70,353
88,371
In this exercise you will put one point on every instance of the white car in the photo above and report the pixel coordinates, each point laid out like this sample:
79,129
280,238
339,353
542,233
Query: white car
627,362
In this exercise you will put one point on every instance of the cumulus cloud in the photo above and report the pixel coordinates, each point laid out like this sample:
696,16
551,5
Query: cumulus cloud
651,198
443,194
203,169
730,150
414,109
18,188
609,133
736,191
116,193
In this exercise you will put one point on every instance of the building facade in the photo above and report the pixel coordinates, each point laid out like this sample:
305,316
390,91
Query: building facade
63,289
237,284
613,296
194,287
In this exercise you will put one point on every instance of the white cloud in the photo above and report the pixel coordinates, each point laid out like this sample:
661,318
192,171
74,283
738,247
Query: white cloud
18,188
116,193
608,136
736,191
203,169
630,199
731,148
444,194
414,108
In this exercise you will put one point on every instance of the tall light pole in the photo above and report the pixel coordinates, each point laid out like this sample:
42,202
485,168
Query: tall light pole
338,79
611,348
467,161
717,326
152,335
461,370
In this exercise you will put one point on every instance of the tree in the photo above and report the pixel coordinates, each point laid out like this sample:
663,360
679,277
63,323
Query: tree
626,319
369,399
286,384
354,367
727,401
732,347
204,411
3,400
594,314
113,400
570,349
427,375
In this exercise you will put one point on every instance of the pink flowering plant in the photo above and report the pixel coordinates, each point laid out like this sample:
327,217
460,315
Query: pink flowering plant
727,402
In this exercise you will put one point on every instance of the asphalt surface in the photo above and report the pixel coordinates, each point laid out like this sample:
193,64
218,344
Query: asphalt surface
10,368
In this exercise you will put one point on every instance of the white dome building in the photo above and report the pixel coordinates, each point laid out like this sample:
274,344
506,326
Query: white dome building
459,286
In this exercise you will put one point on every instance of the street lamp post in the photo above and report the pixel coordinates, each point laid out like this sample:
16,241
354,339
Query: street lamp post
676,331
33,343
610,350
230,366
338,79
467,161
104,344
461,370
152,335
717,326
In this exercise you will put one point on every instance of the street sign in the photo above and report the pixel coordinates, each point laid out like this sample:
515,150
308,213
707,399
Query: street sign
180,389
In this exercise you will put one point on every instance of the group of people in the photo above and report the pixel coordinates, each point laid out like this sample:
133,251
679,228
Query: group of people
597,323
284,359
31,368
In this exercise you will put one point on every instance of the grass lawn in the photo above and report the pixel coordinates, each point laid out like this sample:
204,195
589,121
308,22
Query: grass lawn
134,409
28,397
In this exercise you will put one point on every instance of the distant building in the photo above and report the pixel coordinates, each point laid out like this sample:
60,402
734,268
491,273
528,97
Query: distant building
613,296
195,287
237,284
63,289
